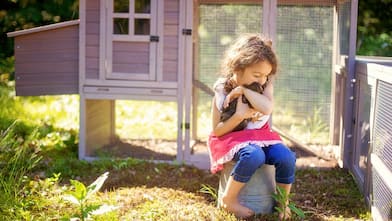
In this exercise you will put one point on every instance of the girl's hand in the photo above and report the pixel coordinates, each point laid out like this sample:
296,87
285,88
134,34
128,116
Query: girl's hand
243,111
236,92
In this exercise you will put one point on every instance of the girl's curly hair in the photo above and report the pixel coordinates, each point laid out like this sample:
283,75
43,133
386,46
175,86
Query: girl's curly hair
246,50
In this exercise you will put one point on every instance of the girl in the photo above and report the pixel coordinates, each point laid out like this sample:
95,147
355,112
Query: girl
249,59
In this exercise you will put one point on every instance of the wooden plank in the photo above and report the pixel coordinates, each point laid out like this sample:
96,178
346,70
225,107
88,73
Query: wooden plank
65,32
171,18
53,78
47,67
169,66
92,28
171,42
172,5
92,63
280,2
170,54
122,83
134,91
131,57
141,97
171,30
51,89
92,51
46,44
92,40
100,124
170,76
92,74
52,56
131,68
92,5
131,46
92,16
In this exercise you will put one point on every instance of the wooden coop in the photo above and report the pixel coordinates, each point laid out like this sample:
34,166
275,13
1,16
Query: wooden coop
169,50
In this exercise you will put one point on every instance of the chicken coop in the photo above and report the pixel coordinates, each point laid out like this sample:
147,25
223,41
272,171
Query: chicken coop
170,51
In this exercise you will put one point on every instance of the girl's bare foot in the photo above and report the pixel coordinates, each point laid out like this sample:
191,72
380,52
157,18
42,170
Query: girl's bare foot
285,215
233,206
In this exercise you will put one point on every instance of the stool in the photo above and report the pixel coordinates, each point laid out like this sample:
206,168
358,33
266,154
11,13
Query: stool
257,193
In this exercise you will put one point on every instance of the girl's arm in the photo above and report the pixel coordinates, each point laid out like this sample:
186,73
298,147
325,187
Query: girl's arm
262,103
221,128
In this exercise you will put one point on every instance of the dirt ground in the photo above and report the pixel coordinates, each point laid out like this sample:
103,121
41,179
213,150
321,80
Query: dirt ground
320,156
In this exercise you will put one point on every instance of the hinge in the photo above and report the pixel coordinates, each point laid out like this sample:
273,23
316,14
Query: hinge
154,38
187,31
186,126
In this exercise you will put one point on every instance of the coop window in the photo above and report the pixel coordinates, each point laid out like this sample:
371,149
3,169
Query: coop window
131,17
142,6
120,26
142,26
121,6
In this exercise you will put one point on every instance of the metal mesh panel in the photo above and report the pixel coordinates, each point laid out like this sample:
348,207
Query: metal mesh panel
382,197
303,87
344,26
218,26
382,137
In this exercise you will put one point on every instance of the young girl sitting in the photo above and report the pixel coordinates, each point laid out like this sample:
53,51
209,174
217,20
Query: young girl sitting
249,59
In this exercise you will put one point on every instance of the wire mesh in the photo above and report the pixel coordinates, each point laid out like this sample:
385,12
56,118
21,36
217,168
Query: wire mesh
383,124
344,9
219,25
303,87
382,197
305,50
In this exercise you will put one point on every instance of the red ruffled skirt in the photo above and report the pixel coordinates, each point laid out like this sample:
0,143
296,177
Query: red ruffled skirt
223,148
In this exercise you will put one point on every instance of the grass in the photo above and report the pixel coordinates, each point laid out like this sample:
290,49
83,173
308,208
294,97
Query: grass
40,144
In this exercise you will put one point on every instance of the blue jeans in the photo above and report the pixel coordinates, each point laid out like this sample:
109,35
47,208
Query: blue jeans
250,158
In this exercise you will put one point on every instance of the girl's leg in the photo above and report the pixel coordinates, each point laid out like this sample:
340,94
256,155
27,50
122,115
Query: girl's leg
285,214
284,161
248,160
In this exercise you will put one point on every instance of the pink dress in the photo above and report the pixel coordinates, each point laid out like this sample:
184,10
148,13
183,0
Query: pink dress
223,148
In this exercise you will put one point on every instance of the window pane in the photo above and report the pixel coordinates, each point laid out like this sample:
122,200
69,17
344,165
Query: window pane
121,5
142,6
142,26
120,26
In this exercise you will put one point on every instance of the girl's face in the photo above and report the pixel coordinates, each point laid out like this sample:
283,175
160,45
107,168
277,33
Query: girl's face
257,72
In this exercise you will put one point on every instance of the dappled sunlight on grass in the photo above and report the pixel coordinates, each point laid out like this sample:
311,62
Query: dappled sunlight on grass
61,111
146,119
309,130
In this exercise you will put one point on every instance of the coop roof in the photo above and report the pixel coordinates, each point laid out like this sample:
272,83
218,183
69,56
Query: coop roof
43,28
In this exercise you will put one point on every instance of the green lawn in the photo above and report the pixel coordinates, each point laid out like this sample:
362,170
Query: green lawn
38,158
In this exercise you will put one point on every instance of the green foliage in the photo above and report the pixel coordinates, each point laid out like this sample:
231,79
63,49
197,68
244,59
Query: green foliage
374,28
23,14
315,128
281,197
208,189
81,194
19,154
375,45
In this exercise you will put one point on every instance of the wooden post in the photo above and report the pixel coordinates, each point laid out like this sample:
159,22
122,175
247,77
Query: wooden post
349,104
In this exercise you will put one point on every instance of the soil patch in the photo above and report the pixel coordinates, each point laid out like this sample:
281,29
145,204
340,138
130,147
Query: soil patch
318,156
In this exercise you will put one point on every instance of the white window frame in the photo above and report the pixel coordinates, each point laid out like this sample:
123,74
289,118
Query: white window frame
106,26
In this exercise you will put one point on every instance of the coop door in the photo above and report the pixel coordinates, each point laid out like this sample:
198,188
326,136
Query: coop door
131,39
